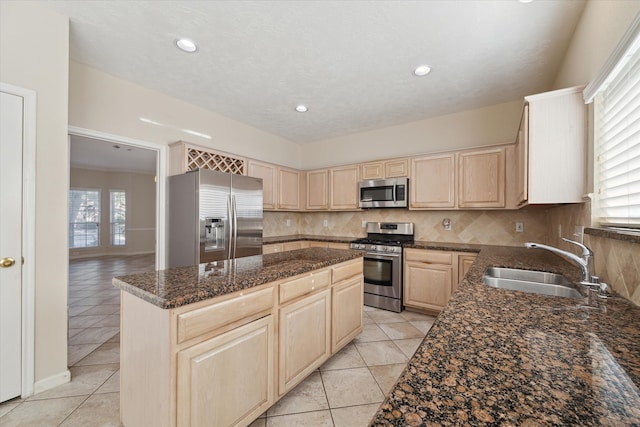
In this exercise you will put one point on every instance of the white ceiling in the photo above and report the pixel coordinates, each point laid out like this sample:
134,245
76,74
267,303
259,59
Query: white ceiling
92,153
351,62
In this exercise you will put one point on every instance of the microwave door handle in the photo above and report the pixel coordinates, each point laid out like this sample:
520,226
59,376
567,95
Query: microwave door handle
394,193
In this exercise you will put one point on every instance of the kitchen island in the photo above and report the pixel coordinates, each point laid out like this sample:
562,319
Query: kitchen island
500,357
219,343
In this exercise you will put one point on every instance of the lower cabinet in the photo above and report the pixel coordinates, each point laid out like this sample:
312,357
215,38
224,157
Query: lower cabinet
305,328
227,380
431,276
347,298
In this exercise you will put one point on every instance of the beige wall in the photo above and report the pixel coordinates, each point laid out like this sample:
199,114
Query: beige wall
141,210
490,125
102,102
478,227
34,54
602,25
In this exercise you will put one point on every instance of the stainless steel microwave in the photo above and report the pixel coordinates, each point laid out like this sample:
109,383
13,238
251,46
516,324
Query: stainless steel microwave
384,193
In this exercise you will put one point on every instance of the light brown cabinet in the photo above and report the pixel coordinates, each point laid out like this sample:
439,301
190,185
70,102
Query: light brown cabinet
432,182
289,189
395,168
431,276
347,298
343,184
234,370
481,178
318,189
551,148
269,175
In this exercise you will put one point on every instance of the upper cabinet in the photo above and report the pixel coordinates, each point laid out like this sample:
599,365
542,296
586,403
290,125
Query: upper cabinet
481,178
269,175
343,185
289,189
432,182
551,148
318,189
396,168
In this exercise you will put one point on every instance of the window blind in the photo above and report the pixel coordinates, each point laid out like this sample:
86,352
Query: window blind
617,132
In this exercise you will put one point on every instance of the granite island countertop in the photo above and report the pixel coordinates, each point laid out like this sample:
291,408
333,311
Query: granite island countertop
180,286
500,357
315,238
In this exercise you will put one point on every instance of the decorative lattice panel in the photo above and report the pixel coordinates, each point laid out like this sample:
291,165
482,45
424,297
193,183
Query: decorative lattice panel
199,159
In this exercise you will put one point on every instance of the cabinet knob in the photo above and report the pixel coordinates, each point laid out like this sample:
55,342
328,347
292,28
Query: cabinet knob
7,262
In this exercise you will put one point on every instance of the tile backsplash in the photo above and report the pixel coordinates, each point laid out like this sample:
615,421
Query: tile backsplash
481,227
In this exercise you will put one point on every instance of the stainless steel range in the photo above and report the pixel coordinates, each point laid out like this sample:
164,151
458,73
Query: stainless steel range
383,263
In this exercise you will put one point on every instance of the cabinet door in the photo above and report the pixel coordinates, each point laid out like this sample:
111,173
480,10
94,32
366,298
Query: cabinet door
373,170
268,173
228,379
522,158
288,189
396,168
427,285
317,189
304,338
344,188
347,302
433,182
481,178
464,264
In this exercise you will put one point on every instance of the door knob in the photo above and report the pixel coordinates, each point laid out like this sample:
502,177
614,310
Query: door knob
7,262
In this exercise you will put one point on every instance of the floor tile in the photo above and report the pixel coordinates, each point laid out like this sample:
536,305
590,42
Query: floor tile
401,330
349,387
348,357
8,406
409,347
94,335
84,321
78,309
371,332
305,397
412,315
75,353
423,325
305,419
112,385
354,416
106,353
260,422
98,410
84,381
384,316
100,309
387,375
109,320
45,413
381,353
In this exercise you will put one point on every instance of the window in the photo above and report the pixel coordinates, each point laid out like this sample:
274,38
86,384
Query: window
617,136
118,215
84,218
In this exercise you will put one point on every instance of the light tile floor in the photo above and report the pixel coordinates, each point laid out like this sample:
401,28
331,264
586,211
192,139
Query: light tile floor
346,391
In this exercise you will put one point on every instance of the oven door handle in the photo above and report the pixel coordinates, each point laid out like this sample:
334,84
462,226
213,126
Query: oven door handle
378,255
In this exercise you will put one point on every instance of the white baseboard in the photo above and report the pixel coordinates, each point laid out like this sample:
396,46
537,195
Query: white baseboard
52,381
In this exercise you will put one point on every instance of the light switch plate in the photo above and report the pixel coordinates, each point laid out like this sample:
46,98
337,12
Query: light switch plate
519,227
325,223
364,223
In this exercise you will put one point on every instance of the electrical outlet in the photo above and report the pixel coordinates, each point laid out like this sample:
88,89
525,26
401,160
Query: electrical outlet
325,223
519,227
578,231
446,223
288,223
559,230
364,223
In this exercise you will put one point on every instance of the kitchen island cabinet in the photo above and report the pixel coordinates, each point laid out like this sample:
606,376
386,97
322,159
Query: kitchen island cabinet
219,343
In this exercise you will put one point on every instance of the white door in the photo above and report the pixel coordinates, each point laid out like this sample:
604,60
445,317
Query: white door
11,133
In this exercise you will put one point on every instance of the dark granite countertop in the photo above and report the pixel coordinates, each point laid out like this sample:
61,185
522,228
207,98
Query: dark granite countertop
296,237
443,246
180,286
500,357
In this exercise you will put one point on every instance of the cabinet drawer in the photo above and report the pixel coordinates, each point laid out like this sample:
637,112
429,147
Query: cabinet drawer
205,319
345,271
304,285
433,257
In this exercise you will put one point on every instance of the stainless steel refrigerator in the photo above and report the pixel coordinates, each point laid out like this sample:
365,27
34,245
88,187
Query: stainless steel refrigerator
213,216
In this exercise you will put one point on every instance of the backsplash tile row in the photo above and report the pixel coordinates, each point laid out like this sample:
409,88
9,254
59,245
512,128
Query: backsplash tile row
480,227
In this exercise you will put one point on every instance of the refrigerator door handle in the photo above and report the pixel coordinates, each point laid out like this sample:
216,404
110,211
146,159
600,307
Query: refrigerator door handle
229,242
234,212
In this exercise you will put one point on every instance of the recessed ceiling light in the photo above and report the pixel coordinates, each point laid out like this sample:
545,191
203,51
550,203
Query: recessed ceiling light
525,1
302,108
421,70
186,45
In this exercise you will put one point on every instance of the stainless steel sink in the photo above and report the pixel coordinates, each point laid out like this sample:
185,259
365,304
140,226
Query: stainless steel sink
537,282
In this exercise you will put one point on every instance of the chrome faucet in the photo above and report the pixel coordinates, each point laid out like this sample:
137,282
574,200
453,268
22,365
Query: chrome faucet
585,261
